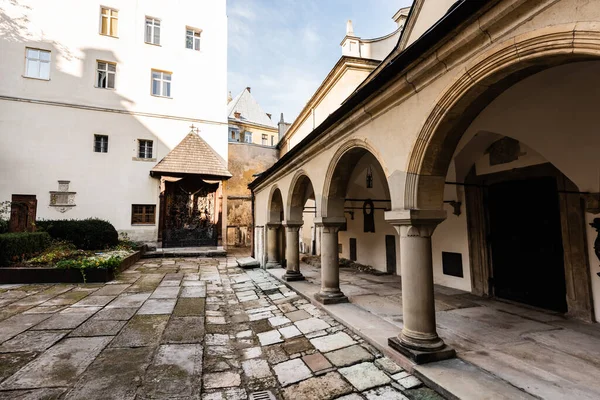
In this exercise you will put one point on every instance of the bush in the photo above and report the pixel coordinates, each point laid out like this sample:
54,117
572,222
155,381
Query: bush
86,234
19,246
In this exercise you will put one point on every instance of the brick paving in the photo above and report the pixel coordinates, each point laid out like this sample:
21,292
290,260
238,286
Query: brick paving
185,328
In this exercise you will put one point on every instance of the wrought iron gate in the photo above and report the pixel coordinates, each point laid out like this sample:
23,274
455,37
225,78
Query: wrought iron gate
190,219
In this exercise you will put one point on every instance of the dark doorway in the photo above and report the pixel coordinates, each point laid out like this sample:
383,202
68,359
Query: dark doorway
353,249
526,243
189,208
390,253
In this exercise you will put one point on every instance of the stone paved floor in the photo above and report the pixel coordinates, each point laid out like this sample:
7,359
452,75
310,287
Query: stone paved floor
185,328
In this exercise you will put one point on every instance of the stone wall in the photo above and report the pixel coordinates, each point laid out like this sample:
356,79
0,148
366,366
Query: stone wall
245,160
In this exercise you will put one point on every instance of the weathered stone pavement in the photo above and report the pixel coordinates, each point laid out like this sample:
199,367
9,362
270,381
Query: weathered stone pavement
186,328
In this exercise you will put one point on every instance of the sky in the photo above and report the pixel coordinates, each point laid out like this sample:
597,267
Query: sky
283,49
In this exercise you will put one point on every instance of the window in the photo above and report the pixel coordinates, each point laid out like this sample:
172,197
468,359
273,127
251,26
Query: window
152,31
109,22
105,75
248,137
143,214
192,39
161,83
265,140
37,63
100,143
145,148
272,140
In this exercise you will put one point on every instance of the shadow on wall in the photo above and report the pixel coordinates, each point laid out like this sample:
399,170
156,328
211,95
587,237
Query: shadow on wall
62,154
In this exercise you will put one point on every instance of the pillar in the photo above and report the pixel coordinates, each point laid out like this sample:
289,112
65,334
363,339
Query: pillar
330,266
418,339
272,253
292,251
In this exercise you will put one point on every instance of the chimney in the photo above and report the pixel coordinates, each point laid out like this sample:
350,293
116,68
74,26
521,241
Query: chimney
237,114
349,28
269,115
282,127
229,98
249,89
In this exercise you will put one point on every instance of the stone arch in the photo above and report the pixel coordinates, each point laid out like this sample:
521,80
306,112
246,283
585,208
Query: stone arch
275,211
339,172
484,79
301,189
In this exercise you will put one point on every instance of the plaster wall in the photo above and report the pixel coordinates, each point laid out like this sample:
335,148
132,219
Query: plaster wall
378,49
52,138
257,132
340,91
431,11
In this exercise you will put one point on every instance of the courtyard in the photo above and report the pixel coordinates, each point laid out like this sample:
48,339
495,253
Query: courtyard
186,328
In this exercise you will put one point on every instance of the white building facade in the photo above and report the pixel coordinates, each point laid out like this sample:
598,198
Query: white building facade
96,98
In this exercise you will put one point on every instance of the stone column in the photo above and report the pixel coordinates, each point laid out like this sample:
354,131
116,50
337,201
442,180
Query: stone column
272,254
292,251
330,265
418,339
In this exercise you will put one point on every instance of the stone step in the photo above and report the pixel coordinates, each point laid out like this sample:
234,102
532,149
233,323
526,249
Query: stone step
185,252
457,379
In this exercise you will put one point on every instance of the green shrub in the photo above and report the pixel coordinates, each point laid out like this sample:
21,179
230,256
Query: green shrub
91,262
59,250
19,246
86,234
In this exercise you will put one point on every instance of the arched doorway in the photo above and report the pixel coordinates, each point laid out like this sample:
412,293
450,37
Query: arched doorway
275,237
527,217
355,197
300,235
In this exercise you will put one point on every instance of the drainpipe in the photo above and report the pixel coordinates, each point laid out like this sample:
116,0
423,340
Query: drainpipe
252,224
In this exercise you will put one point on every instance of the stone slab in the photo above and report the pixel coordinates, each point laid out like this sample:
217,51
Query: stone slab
316,362
311,325
384,393
184,330
12,362
118,314
94,327
114,375
129,300
291,371
193,291
34,394
165,292
18,323
298,315
326,387
189,307
59,366
32,341
348,356
247,262
157,306
256,368
111,290
269,337
221,380
174,373
365,376
141,330
94,301
332,342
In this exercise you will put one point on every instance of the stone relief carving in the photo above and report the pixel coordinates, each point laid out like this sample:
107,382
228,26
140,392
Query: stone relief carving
62,200
369,216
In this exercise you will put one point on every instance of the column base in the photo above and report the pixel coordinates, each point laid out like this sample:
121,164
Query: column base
331,298
291,276
272,264
419,356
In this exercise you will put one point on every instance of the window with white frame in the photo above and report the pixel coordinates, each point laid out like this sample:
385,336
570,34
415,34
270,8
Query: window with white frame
105,75
265,140
248,137
145,148
161,83
109,21
100,144
152,30
37,63
192,38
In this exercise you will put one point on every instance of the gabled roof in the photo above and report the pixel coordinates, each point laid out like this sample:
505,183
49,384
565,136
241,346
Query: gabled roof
250,110
192,156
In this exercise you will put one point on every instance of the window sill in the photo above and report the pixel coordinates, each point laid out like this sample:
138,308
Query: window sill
37,79
105,88
107,35
162,97
143,159
153,44
138,224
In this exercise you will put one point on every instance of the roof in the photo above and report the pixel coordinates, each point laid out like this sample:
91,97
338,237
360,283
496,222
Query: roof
461,12
192,156
250,110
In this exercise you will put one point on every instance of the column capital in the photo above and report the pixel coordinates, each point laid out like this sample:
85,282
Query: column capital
330,221
415,223
293,224
273,225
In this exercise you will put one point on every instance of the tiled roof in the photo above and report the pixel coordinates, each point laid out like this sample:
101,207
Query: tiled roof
249,109
192,156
